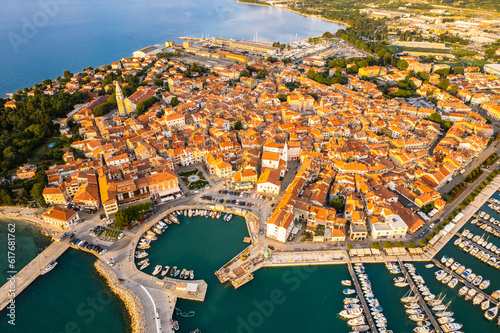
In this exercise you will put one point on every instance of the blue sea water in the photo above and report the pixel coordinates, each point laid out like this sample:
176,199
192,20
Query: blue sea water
39,39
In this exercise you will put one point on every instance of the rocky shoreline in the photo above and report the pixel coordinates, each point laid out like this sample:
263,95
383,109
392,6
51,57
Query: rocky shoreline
133,304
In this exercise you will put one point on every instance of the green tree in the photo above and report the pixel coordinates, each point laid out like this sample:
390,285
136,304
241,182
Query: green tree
337,203
174,101
123,218
402,64
453,89
444,84
37,192
5,198
411,245
435,117
375,246
238,126
388,245
350,246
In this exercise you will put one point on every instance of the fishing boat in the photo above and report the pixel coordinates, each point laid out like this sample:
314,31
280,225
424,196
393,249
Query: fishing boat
164,271
218,215
230,217
177,272
172,272
49,267
348,291
157,269
146,264
346,283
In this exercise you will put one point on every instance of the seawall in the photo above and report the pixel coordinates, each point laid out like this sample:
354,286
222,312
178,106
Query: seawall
132,302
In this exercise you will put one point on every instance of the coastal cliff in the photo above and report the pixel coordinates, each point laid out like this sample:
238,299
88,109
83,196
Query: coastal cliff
133,304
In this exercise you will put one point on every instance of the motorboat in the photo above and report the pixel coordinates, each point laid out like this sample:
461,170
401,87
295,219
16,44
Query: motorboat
418,317
449,262
401,284
49,267
348,300
172,272
455,265
444,259
157,269
478,299
351,313
453,283
177,272
477,280
140,263
348,291
451,327
141,254
360,320
445,320
462,291
491,313
485,284
429,265
146,264
164,271
191,274
346,283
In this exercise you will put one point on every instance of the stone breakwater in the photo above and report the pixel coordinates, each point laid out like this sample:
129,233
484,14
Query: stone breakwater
133,304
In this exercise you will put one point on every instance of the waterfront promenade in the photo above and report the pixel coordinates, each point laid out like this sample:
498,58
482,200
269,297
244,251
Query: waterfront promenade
31,271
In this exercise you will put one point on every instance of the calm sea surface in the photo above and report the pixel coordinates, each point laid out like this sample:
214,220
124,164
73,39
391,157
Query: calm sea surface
39,39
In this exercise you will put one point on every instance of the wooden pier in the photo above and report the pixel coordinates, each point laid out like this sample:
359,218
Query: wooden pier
30,272
368,314
464,281
424,306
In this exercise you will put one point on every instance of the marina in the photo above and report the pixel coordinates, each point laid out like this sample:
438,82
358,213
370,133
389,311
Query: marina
465,282
423,305
357,286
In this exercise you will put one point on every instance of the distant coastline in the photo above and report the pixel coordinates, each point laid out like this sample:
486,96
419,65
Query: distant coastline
294,11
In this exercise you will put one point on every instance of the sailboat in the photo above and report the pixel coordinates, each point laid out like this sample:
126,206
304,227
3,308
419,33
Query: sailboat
486,304
491,313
